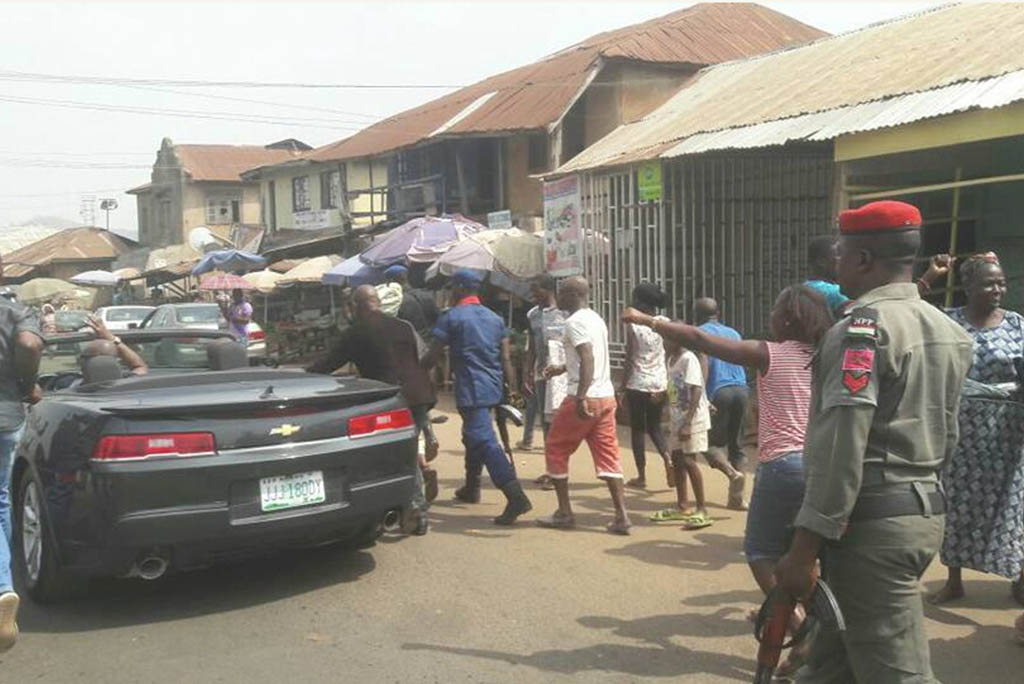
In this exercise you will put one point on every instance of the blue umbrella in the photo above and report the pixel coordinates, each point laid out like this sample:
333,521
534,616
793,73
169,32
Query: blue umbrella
353,272
229,261
421,240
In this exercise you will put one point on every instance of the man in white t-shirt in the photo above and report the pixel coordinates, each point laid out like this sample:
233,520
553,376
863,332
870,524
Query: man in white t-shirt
588,412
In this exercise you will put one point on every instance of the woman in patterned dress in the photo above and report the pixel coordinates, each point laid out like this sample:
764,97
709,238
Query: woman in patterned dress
984,480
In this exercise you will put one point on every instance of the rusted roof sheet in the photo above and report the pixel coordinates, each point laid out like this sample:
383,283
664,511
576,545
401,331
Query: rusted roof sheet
227,162
819,82
537,95
73,244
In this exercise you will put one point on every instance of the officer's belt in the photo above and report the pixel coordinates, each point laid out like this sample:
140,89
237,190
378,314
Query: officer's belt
900,500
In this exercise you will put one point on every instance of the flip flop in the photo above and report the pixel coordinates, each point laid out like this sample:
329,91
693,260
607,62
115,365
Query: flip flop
671,515
698,522
620,527
637,483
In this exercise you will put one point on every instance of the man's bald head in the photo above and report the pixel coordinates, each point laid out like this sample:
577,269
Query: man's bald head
366,301
98,348
705,309
573,293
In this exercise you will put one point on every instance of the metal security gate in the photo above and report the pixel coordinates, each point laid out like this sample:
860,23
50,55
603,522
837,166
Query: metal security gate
730,226
624,246
739,229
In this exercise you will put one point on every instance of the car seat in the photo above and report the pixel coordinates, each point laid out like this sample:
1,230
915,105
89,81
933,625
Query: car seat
226,355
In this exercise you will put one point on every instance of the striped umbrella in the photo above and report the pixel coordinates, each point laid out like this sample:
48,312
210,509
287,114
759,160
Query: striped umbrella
225,281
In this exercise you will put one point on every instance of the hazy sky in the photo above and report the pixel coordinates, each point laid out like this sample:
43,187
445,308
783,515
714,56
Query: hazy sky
56,145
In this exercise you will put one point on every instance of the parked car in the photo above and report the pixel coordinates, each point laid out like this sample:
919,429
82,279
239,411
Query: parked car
187,466
205,316
123,317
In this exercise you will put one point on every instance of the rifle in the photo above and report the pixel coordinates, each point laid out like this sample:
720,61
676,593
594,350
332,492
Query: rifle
773,621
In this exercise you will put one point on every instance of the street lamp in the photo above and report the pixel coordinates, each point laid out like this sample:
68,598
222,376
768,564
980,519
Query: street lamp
108,205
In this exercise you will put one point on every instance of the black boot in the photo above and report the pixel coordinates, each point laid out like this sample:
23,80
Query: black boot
469,492
517,504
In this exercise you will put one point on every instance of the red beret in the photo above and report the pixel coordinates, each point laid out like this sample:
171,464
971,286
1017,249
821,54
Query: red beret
886,215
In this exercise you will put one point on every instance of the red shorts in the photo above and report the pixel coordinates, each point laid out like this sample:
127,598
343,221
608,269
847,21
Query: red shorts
568,430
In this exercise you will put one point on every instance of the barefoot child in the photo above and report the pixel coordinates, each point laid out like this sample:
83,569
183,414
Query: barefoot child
689,421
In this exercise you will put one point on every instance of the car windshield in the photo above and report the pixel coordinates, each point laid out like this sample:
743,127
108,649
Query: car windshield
127,315
177,352
198,314
70,321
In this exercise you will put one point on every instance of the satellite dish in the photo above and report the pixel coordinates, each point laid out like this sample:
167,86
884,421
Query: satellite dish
202,239
108,204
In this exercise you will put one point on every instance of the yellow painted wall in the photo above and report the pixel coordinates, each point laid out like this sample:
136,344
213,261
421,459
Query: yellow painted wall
644,89
522,193
955,129
193,209
357,175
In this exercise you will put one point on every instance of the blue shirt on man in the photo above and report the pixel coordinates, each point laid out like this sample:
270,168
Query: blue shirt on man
473,334
834,297
722,373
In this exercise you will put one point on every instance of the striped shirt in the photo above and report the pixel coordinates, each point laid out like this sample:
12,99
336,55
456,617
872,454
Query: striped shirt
784,399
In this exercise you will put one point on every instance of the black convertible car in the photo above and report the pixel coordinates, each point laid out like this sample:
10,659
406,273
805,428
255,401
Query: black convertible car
202,460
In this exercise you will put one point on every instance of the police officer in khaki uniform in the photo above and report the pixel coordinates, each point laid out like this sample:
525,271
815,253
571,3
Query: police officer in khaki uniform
885,393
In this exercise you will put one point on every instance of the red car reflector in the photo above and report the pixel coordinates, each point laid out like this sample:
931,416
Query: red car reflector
372,423
257,336
136,447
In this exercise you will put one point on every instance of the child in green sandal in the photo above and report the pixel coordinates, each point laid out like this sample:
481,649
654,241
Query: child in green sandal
689,421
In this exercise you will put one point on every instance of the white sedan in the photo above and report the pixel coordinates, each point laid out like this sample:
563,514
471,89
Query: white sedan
123,317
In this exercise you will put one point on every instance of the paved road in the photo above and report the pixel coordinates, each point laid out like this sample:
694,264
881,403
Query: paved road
468,603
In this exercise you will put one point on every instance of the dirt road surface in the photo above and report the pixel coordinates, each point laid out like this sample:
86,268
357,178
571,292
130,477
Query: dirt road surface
471,603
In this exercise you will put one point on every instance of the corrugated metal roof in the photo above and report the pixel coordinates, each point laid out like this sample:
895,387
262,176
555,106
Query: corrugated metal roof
73,244
16,237
227,162
537,95
919,66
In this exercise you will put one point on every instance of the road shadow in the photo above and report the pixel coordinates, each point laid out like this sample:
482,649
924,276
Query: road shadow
111,603
703,551
988,654
744,596
656,656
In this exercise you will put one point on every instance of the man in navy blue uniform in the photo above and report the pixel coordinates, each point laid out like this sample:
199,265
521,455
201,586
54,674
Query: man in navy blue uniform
482,364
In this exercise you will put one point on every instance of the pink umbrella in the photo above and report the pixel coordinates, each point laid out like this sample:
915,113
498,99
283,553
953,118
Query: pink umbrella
225,281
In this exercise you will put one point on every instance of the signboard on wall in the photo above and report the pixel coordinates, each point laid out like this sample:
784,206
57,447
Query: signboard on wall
311,220
648,181
499,220
563,232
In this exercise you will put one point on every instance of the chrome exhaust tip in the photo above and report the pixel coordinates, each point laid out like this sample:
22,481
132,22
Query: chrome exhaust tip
392,520
151,568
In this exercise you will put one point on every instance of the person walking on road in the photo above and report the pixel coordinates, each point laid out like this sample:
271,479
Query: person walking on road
886,386
547,325
588,413
238,314
727,390
482,365
644,384
385,348
21,347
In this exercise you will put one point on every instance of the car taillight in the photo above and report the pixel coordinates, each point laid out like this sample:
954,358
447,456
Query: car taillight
372,423
257,336
137,447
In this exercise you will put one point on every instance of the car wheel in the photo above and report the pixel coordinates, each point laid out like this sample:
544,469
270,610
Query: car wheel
35,557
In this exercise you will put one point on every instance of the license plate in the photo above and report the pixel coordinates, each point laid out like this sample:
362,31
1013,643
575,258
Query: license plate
291,491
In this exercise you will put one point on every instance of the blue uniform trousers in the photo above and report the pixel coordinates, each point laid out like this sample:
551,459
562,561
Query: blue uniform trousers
483,448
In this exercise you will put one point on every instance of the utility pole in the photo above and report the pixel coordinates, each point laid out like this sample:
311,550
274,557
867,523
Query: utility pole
108,205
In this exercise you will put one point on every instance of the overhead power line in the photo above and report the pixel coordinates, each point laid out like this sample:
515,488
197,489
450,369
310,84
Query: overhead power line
196,83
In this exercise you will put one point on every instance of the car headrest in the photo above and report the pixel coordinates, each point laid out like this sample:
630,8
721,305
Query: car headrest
101,369
226,355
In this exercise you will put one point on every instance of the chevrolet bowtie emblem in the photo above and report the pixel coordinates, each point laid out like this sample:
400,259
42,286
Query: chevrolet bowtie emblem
286,430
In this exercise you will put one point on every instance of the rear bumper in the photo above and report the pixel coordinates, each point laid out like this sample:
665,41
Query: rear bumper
197,512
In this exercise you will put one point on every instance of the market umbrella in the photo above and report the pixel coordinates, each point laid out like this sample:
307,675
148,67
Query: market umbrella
420,240
96,279
39,290
224,281
265,281
509,251
230,260
352,271
128,273
309,271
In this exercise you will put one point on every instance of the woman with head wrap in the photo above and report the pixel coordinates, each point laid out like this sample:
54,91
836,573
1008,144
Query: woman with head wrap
984,479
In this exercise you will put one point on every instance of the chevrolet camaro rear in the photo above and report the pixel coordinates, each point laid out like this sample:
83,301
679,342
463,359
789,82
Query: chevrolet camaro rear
184,468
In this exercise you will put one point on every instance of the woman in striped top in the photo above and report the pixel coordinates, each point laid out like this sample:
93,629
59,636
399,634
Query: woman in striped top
799,320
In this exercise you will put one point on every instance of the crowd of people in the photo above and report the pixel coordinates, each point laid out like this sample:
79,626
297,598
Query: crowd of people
888,430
